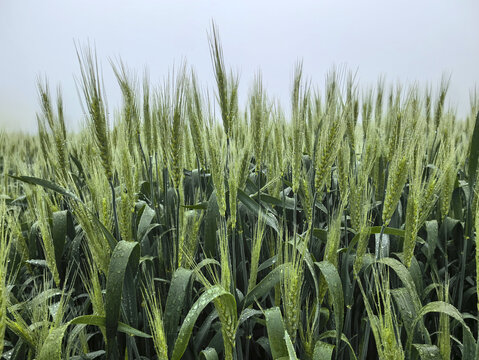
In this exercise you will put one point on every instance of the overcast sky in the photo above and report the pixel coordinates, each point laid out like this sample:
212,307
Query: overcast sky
404,40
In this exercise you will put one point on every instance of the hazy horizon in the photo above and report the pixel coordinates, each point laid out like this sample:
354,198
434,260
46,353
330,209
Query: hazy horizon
406,41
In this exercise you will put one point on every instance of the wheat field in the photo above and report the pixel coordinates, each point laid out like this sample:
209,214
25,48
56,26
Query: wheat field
185,225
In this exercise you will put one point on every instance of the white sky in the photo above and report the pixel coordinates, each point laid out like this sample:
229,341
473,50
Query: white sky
403,40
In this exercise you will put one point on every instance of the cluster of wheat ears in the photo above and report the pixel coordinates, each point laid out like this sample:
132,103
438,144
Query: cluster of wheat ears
185,227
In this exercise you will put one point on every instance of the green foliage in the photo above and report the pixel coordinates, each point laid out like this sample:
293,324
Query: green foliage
179,228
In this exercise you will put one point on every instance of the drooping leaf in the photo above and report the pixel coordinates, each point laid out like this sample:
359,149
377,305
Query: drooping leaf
144,227
124,253
187,327
175,303
427,352
323,351
264,286
469,346
254,207
100,321
209,354
47,185
276,330
335,287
